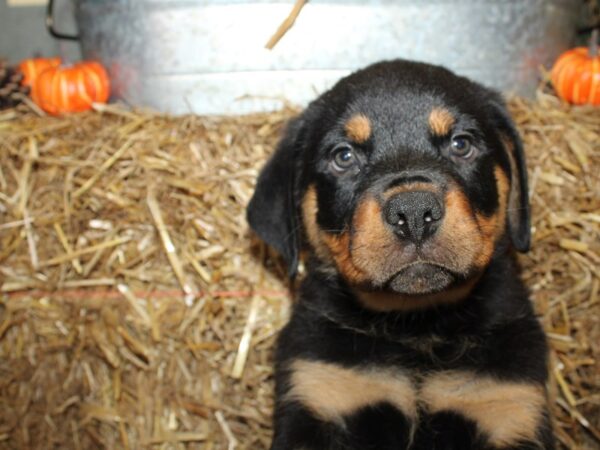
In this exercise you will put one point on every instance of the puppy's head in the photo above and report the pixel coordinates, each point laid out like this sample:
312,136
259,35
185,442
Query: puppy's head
404,178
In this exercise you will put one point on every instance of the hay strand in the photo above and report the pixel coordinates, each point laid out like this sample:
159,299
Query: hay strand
168,244
84,251
104,167
244,346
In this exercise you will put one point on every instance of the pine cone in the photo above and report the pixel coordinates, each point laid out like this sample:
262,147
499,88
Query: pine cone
11,90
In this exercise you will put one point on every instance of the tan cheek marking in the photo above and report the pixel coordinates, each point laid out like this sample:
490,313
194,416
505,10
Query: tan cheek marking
373,243
492,227
459,234
309,218
440,121
358,128
332,392
364,259
335,248
506,412
339,246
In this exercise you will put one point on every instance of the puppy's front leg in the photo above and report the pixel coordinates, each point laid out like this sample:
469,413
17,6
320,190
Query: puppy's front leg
377,427
544,439
501,414
326,406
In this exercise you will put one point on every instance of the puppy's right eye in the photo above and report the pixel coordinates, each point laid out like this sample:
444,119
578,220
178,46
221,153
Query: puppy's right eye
343,158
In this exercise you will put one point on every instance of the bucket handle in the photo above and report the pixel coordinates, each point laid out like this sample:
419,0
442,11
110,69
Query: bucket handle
50,25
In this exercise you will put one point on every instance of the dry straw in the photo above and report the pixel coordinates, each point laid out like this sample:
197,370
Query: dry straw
136,312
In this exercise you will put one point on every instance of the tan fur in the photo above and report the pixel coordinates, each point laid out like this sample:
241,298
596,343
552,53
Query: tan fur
505,411
459,232
492,227
388,301
332,392
441,121
372,253
371,237
329,247
309,218
339,246
358,128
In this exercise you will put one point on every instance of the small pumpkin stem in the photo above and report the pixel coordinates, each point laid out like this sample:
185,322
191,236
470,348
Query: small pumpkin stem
593,48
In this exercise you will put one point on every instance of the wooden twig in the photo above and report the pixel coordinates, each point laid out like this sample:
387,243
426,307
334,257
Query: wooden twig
286,24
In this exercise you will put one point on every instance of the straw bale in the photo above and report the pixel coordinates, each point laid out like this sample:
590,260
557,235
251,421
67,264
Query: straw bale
136,311
562,270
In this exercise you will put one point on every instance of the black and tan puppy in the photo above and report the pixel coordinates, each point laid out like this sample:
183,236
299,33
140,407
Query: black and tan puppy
406,186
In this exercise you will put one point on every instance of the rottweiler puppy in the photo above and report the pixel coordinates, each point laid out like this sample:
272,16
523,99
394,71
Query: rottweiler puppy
404,188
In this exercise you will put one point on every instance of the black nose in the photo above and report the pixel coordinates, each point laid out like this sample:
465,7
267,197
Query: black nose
415,215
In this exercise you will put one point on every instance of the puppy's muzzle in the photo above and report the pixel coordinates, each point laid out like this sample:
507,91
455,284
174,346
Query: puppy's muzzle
414,215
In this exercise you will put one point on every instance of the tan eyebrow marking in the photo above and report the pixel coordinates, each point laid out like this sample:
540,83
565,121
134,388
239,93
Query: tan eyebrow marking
441,121
331,391
358,128
506,411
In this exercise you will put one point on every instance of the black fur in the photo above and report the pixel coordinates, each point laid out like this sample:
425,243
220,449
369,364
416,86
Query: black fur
492,332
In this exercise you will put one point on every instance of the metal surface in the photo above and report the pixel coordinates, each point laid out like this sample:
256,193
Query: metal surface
203,56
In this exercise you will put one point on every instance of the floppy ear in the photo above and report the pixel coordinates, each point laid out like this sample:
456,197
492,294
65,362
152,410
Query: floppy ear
272,212
518,210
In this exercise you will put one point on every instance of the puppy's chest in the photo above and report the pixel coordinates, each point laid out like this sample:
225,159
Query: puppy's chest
429,379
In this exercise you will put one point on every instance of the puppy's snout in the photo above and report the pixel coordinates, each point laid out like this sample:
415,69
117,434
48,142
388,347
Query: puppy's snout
414,215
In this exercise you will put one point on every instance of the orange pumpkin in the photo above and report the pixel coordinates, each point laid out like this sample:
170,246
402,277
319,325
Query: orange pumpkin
576,74
73,88
32,67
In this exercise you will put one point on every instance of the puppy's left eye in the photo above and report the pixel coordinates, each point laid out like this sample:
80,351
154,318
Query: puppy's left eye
462,147
343,158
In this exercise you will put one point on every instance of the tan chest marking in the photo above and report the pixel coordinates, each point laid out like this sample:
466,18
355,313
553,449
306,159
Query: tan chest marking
505,411
440,121
332,392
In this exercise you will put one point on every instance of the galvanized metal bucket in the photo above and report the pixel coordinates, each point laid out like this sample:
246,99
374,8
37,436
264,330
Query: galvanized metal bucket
208,57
